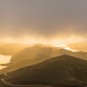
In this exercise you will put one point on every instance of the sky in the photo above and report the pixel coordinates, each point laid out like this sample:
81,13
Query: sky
43,19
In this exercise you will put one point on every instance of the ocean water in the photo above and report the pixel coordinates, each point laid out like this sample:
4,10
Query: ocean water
4,59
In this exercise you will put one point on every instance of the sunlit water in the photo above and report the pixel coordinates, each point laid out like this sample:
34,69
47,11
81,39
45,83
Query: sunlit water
4,59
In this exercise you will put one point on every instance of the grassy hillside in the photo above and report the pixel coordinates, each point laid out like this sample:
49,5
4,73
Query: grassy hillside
66,70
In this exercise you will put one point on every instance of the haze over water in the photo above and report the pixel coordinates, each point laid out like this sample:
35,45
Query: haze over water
4,59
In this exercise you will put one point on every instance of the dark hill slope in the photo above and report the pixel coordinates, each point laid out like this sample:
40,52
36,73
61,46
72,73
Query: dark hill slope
66,70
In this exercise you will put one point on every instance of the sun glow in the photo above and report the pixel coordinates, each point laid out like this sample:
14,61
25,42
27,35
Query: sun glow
55,41
66,47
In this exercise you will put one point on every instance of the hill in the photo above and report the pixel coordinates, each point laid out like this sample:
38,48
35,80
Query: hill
30,56
62,70
36,54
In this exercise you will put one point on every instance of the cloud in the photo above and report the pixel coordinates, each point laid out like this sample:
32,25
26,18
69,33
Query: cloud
46,18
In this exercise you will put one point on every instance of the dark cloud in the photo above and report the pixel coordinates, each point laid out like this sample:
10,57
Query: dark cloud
43,17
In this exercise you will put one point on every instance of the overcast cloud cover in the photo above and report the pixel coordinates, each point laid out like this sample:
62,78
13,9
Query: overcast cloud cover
43,17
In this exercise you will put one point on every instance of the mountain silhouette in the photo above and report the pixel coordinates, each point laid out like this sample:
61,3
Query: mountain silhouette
61,70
